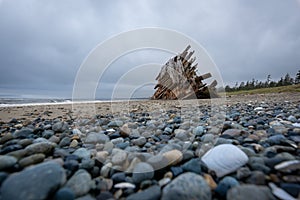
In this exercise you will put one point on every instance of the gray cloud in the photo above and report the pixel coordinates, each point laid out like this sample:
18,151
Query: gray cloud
44,43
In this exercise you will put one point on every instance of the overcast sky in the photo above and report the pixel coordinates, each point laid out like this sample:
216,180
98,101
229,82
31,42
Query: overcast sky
43,43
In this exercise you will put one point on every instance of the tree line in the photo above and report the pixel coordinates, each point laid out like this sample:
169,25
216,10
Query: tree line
255,84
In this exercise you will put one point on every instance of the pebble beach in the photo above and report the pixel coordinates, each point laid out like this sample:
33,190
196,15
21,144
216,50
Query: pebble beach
241,147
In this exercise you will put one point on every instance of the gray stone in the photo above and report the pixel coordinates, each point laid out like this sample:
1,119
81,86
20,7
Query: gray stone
64,194
60,127
33,159
43,147
65,142
199,130
250,192
94,138
118,157
142,171
151,193
80,182
23,133
82,153
47,134
140,141
207,138
115,123
7,162
187,186
36,182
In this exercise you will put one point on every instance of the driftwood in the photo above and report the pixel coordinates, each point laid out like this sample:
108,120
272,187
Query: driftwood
178,79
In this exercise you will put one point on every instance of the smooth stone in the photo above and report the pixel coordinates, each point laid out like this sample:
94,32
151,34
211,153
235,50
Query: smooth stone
39,140
19,154
187,186
243,172
158,161
30,160
54,139
224,159
291,188
250,192
151,193
82,153
118,157
181,134
140,141
232,132
174,156
3,176
225,184
193,165
64,194
199,130
65,142
118,177
7,162
292,119
36,182
47,134
117,140
280,193
257,178
276,139
86,197
115,123
124,185
94,138
142,171
43,147
105,196
74,144
25,142
60,127
23,133
288,166
80,182
208,138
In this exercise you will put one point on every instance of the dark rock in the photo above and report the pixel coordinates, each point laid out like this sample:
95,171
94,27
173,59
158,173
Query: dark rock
105,196
71,165
36,182
64,194
3,176
291,188
225,184
176,171
151,193
250,192
10,148
187,186
193,165
118,177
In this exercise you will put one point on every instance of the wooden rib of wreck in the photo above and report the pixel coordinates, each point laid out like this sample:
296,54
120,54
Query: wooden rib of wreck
178,79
